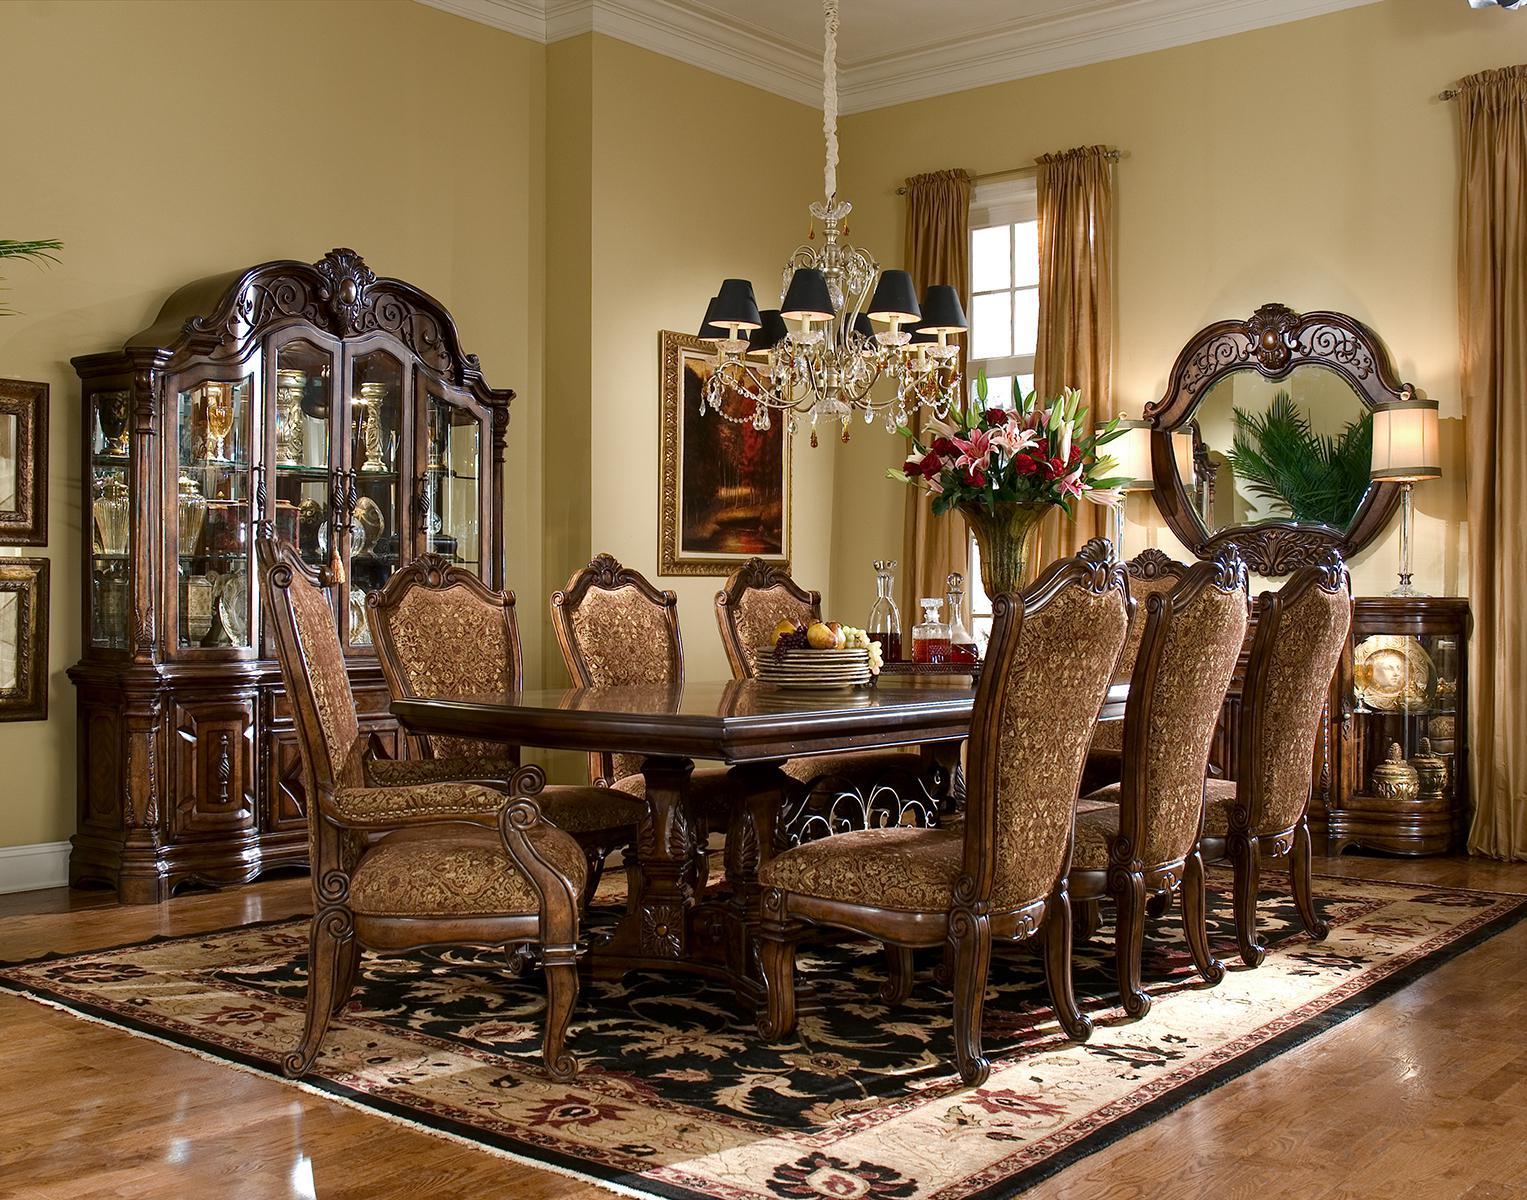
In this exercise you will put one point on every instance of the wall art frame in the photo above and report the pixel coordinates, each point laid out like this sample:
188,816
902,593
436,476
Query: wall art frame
23,463
23,639
724,491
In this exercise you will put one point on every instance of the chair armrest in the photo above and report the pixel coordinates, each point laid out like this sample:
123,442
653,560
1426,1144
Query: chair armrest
527,835
383,808
411,772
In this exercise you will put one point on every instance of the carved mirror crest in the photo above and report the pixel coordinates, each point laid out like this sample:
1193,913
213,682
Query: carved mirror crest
1263,439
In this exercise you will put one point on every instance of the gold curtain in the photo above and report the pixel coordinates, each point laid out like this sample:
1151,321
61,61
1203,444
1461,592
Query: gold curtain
937,251
1076,305
1492,291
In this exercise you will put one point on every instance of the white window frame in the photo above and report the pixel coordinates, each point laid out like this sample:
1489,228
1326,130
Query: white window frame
996,202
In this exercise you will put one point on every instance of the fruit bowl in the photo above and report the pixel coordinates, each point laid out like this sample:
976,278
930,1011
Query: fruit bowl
810,668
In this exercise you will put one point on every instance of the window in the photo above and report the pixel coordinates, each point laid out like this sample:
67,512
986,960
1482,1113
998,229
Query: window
1004,318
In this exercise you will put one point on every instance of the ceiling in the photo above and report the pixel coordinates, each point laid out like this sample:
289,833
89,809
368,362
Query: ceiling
890,51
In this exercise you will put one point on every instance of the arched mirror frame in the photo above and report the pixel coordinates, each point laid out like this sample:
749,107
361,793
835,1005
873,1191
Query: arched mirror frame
1272,342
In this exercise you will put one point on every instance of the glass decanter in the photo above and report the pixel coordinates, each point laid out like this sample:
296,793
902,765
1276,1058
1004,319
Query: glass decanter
930,636
884,622
962,643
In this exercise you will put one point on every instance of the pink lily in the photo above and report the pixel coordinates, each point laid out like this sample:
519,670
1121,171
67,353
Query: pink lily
976,451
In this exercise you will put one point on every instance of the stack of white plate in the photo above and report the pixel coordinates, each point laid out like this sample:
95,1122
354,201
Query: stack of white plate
814,668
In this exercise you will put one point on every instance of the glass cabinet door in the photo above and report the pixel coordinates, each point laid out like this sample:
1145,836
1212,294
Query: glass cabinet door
304,403
110,519
214,512
450,492
376,444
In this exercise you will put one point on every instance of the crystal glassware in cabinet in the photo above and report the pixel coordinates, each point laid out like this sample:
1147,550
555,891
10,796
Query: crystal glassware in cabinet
450,487
303,475
884,622
374,519
215,513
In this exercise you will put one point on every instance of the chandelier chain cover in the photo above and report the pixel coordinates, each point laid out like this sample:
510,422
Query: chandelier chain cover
820,354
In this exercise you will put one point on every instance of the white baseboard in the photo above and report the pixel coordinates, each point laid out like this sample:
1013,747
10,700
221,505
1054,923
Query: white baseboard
29,868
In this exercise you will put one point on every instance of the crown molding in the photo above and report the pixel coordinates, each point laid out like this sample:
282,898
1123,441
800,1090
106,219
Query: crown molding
691,32
1024,49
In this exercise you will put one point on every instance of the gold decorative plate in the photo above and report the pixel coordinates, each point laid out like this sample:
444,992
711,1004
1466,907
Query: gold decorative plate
1393,673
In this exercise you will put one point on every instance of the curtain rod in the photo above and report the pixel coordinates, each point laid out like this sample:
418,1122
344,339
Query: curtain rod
1014,172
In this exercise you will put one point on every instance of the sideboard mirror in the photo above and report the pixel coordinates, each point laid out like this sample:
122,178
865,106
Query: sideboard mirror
1263,438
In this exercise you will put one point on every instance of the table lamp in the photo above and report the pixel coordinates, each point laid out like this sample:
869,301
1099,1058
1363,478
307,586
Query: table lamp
1405,450
1132,450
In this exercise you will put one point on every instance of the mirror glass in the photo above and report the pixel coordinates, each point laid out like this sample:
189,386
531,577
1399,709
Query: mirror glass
1293,449
10,442
10,642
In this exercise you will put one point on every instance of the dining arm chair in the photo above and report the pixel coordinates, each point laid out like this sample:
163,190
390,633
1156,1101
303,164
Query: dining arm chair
1003,875
756,598
400,868
439,631
1141,836
1301,631
614,629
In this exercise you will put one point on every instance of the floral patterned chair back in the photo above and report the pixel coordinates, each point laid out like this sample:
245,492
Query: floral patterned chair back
1048,667
312,660
614,628
756,598
1149,572
1191,637
1301,631
440,631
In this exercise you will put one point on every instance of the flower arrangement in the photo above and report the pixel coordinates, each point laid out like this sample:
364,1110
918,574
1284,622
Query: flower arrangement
1003,468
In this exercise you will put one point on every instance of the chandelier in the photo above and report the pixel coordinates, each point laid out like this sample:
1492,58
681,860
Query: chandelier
820,354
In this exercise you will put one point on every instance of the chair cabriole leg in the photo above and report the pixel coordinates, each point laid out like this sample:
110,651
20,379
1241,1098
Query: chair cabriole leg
1248,873
332,928
1304,896
970,938
898,982
1056,932
1128,888
1194,919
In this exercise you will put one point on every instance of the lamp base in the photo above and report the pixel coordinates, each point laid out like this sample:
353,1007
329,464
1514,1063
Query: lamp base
1405,588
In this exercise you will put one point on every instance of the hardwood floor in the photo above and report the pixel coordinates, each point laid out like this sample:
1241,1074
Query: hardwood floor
1422,1096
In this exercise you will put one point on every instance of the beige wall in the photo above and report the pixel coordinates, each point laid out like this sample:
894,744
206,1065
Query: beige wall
163,142
1310,164
696,178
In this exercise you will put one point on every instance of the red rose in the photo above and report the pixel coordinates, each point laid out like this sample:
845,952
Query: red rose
931,465
996,416
973,477
1024,463
1076,456
942,445
912,467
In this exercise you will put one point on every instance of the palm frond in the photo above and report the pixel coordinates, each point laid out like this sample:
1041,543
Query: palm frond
39,252
1317,477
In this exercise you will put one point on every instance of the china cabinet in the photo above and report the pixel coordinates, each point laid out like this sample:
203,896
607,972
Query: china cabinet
1404,763
338,407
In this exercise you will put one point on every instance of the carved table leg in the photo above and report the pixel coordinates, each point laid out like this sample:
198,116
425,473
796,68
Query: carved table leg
759,791
653,932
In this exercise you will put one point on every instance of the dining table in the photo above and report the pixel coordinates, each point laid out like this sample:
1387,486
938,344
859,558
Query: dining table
673,920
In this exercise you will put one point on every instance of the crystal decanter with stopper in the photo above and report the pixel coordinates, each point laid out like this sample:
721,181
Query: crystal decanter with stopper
930,636
884,623
962,643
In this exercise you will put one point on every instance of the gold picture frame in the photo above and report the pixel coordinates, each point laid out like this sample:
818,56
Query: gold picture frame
23,463
725,487
23,639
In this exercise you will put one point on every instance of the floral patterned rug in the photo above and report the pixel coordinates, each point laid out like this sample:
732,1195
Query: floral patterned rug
678,1098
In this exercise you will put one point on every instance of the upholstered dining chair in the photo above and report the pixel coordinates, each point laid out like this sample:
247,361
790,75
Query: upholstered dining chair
615,628
756,598
399,868
440,631
1003,875
1149,572
1144,838
1301,631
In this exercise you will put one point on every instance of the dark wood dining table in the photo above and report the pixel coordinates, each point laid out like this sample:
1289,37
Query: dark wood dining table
672,920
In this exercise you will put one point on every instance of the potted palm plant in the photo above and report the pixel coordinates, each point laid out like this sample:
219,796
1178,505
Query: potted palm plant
41,251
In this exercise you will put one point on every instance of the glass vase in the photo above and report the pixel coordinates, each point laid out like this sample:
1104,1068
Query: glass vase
1005,535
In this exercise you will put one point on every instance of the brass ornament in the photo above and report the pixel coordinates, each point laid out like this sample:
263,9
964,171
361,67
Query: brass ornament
1431,771
1394,778
1393,673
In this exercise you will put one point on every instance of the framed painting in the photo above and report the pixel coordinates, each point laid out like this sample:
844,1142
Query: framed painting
23,639
725,494
23,463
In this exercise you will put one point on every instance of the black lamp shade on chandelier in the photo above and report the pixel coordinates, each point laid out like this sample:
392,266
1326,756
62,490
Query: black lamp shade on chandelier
709,330
735,307
770,333
806,298
895,299
942,311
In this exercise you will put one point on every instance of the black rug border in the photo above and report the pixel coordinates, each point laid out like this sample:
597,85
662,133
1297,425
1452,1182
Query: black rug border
1004,1189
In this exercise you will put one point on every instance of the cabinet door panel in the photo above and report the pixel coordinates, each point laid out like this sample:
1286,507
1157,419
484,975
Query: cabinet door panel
214,767
449,494
378,456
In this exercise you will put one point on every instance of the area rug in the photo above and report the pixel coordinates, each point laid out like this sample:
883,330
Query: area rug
678,1098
